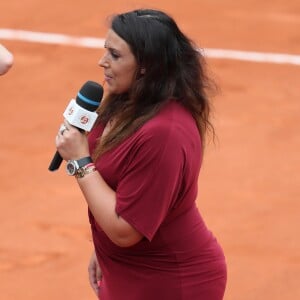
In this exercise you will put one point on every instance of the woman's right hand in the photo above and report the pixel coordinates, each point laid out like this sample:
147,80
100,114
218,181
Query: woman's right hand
95,274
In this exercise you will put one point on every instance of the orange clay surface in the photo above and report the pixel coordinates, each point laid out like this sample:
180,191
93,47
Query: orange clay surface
249,188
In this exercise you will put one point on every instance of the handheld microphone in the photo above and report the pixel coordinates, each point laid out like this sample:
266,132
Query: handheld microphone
81,113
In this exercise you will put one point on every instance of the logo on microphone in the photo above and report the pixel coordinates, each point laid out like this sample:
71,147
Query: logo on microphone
80,117
84,119
71,111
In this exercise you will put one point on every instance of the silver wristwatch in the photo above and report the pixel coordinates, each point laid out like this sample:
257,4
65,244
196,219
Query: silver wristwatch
75,167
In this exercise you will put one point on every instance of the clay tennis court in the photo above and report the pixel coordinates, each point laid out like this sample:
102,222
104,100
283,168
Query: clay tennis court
249,188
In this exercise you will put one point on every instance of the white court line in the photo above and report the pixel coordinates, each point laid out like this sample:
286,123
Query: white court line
51,38
276,58
91,42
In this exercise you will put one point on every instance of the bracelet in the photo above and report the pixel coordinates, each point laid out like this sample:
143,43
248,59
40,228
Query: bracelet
88,165
85,170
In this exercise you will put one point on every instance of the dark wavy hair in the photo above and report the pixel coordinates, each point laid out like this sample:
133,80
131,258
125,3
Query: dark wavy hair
175,69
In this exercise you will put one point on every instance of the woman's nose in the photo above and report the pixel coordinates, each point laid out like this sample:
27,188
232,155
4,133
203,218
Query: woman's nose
103,61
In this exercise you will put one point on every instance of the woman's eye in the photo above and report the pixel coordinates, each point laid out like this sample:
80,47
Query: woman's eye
114,55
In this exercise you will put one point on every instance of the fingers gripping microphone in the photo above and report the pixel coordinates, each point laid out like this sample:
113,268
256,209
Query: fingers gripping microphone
81,113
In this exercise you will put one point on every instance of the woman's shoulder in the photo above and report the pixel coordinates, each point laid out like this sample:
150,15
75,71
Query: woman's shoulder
172,123
173,115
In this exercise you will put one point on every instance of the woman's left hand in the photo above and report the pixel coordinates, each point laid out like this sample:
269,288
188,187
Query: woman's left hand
71,143
95,274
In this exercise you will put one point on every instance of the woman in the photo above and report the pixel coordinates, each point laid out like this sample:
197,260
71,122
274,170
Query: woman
141,182
6,60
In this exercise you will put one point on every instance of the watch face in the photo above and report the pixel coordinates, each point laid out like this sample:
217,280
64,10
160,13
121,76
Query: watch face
71,168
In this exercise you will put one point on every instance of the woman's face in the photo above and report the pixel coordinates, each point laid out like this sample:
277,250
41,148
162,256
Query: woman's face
119,64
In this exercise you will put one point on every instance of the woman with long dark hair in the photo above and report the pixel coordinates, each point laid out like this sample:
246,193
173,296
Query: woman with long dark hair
143,158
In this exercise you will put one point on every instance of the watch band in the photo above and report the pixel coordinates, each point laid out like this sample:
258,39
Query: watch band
84,161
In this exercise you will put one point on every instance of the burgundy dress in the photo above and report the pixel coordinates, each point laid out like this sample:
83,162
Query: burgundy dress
155,175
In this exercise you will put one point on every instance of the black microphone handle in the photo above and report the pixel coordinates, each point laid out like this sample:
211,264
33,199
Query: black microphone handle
56,162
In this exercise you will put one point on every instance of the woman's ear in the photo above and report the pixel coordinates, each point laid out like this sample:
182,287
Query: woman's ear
143,71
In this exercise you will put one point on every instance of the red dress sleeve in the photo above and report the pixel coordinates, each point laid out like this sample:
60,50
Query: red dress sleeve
150,185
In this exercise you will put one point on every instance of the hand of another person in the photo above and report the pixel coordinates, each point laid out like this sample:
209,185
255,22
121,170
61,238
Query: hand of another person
6,60
71,143
95,274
